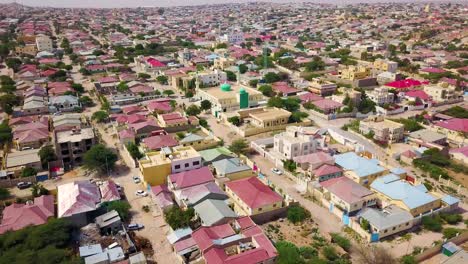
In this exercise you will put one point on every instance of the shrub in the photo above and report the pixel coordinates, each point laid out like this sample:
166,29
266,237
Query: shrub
308,252
342,241
297,213
329,252
432,223
452,219
450,232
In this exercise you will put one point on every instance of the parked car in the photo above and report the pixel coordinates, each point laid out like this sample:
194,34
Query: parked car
132,227
23,185
141,193
276,171
136,179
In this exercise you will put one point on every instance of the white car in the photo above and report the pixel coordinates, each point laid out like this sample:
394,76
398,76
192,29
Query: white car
141,193
276,171
136,179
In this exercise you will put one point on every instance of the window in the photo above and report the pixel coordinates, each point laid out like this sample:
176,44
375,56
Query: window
259,209
177,167
186,165
394,228
274,205
195,163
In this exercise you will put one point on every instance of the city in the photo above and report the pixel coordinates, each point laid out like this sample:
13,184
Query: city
257,132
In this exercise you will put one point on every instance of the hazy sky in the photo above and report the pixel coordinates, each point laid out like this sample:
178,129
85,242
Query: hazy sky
137,3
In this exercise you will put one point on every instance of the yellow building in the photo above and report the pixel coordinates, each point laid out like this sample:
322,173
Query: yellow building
224,63
27,49
442,92
157,165
200,140
264,117
414,199
355,73
251,196
385,65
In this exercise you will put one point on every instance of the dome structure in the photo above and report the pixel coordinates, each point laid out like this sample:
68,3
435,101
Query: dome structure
226,87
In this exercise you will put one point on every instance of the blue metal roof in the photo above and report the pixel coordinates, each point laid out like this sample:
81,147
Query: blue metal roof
391,186
398,171
450,200
363,167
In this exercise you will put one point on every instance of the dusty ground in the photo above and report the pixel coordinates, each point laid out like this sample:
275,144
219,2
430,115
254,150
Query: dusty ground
459,177
301,234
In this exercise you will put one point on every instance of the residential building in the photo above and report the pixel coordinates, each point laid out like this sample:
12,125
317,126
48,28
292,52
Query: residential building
383,129
460,154
314,160
224,63
381,96
360,169
16,161
109,223
426,136
44,43
385,65
387,221
18,216
355,73
211,78
157,142
415,199
251,196
215,154
442,92
294,142
162,197
75,201
240,241
175,121
200,140
231,169
155,166
347,195
214,212
71,145
322,87
229,98
456,129
234,37
64,103
30,49
265,117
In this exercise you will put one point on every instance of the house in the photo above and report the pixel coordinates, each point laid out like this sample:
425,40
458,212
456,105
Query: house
327,106
442,92
360,169
191,196
16,161
326,172
283,89
155,166
223,63
71,145
294,142
240,241
162,197
174,122
455,129
414,199
424,137
160,106
109,191
229,98
322,87
381,96
265,117
387,221
158,142
109,223
200,140
251,196
190,178
355,73
75,200
382,129
214,212
460,154
215,154
385,65
32,135
145,128
231,169
211,78
314,160
348,195
64,103
18,216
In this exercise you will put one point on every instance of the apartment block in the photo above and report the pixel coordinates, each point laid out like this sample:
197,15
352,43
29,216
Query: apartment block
322,87
383,129
381,96
294,142
44,43
386,65
71,145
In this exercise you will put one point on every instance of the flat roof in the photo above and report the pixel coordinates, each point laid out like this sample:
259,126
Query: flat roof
220,94
270,114
21,158
69,136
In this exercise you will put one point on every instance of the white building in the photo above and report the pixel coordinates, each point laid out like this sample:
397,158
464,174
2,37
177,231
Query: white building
381,96
294,142
44,43
233,37
212,78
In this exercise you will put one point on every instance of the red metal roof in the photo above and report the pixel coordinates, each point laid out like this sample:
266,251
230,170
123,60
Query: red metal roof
253,192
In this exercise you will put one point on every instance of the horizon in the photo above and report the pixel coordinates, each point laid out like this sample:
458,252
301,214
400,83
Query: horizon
174,3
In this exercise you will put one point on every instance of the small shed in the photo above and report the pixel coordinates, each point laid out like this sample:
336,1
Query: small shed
89,250
109,222
448,249
101,258
138,258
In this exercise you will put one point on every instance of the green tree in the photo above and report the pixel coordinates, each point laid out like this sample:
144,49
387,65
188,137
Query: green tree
134,151
78,88
8,101
365,224
86,101
28,171
13,63
243,68
297,117
432,223
266,90
4,193
193,110
99,158
275,102
235,120
231,76
300,45
162,79
271,77
178,218
239,146
253,83
289,165
5,133
143,75
205,105
330,253
100,116
38,189
122,87
122,207
168,92
316,64
342,241
288,253
47,154
297,214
